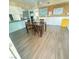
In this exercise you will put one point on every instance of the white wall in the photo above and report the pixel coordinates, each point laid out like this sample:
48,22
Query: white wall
53,20
36,14
16,12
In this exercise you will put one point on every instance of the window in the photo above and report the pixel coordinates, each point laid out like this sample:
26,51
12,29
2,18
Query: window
58,11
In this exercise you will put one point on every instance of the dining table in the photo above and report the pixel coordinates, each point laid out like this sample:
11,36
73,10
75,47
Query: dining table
38,27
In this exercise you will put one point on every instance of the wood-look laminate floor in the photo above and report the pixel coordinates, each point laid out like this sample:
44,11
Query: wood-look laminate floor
52,45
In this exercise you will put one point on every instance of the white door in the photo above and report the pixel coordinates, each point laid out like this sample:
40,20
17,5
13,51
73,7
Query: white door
13,52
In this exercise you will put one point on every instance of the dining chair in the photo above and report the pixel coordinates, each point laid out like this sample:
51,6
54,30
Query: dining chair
29,26
41,29
65,23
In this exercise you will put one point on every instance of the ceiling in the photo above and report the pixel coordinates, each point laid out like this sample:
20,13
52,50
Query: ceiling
40,3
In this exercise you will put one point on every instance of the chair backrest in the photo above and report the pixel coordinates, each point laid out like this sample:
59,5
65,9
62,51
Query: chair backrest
42,23
41,20
28,21
65,22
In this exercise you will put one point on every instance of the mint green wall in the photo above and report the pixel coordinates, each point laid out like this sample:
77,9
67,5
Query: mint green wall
16,26
17,13
43,12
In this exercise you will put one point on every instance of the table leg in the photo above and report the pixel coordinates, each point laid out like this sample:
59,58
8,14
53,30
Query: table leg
45,26
27,29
